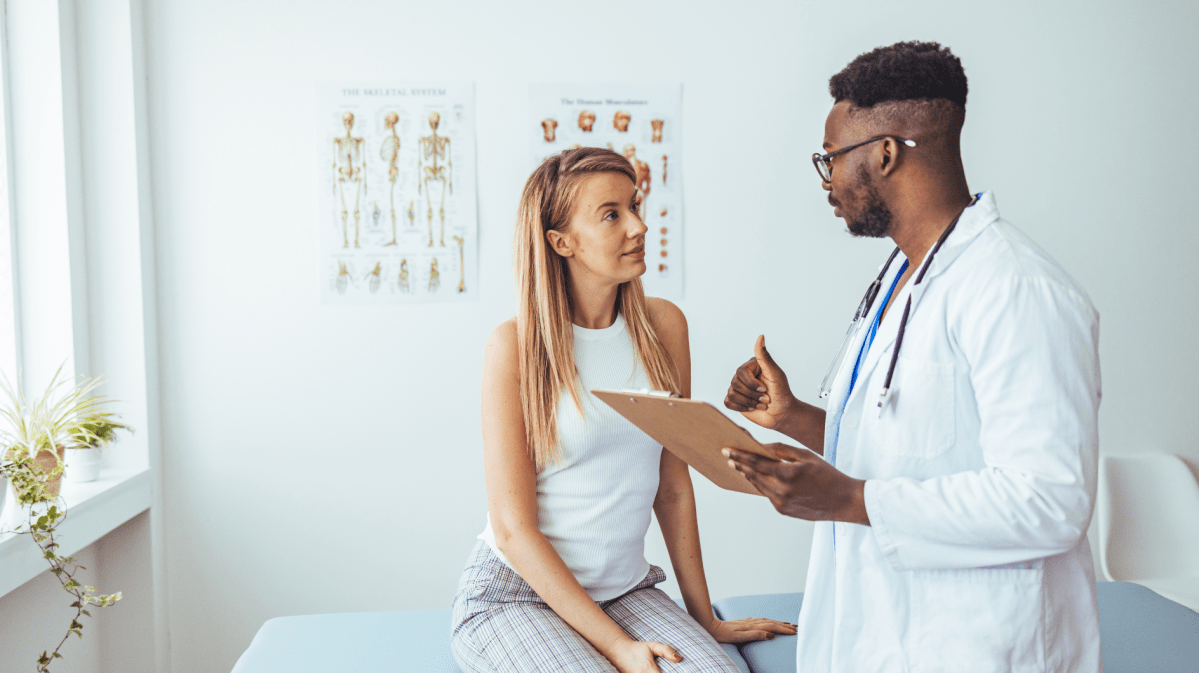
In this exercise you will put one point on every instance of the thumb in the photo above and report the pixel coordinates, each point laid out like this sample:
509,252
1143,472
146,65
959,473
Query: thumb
762,355
665,651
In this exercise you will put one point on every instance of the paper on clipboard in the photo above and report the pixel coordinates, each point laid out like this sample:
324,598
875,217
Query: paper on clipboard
693,430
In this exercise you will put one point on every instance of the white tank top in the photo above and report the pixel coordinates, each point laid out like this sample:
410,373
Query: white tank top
594,505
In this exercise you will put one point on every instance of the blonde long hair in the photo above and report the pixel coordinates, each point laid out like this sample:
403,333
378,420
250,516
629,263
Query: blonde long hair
544,325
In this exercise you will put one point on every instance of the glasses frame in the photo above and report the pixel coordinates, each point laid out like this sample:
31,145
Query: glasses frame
823,162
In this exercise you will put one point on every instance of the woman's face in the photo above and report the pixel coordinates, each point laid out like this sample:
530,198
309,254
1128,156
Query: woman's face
605,239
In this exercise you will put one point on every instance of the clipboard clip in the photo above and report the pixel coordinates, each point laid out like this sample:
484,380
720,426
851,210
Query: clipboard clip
647,391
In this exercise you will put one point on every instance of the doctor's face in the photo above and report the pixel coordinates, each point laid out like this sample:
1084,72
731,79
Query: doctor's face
853,193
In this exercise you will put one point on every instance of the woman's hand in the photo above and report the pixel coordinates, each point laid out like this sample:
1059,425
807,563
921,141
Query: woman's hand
748,630
759,389
633,656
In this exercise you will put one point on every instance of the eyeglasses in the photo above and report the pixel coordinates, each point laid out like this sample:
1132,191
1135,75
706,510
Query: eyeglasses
824,162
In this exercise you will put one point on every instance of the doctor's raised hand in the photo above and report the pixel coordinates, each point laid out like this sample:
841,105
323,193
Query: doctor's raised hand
800,483
759,389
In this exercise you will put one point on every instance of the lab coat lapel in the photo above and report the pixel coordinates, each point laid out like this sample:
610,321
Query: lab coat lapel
884,343
841,381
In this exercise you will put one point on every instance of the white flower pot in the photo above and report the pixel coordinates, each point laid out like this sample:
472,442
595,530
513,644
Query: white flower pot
82,465
12,514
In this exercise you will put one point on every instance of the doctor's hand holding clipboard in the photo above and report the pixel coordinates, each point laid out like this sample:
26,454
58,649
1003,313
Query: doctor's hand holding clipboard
802,485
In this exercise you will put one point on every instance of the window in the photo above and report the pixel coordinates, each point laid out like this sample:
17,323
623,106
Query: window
8,313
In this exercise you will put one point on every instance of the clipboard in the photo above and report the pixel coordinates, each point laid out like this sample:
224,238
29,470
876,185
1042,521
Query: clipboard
693,430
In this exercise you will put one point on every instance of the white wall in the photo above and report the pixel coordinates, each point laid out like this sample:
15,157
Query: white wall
324,459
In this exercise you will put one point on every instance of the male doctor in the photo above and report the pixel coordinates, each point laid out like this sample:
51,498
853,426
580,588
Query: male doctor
959,445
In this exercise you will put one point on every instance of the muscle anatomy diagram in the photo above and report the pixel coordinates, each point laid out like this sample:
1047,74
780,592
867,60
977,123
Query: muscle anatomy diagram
412,141
640,122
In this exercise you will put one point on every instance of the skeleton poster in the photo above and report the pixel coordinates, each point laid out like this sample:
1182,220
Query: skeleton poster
642,122
398,221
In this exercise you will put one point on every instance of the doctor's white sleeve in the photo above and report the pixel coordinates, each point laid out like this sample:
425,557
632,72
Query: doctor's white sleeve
1032,347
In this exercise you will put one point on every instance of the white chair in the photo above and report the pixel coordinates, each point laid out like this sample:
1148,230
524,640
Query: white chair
1149,524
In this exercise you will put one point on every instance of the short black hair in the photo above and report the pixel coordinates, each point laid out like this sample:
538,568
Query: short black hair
903,71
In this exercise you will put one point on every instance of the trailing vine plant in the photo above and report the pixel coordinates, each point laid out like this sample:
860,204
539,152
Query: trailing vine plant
34,428
29,483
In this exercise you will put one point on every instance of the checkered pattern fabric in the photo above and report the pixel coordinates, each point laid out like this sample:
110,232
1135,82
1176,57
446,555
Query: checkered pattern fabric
501,625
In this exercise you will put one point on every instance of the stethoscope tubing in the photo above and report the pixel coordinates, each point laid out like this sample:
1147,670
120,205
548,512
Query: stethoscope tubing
907,309
872,293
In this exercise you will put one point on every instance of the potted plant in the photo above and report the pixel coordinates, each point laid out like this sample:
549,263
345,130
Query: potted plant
64,417
93,432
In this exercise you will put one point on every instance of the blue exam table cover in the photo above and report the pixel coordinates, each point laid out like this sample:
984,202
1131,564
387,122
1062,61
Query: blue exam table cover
410,640
1140,631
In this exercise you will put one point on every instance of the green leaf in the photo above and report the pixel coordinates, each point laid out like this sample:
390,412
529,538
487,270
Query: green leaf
85,612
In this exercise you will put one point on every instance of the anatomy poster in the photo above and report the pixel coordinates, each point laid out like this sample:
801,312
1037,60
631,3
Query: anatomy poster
642,122
398,221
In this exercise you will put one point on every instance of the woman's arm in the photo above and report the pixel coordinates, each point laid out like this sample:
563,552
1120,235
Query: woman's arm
675,503
512,503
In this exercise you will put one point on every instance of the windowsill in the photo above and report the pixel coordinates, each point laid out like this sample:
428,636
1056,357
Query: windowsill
94,509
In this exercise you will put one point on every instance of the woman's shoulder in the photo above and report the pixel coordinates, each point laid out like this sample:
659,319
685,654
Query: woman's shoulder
665,317
505,330
502,342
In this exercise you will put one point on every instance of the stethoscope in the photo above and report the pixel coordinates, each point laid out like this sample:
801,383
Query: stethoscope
868,302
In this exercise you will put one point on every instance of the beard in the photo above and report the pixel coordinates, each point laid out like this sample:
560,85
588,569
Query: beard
875,221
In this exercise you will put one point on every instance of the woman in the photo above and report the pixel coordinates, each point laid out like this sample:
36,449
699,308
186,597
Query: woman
559,580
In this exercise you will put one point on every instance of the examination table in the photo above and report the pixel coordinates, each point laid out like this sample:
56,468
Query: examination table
1141,632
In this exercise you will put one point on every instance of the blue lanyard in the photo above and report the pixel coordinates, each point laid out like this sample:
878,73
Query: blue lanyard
857,365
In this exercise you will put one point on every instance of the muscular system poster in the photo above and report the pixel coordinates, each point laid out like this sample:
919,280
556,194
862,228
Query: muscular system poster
397,221
642,122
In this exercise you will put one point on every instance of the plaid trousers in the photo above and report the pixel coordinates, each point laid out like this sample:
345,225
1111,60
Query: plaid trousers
500,625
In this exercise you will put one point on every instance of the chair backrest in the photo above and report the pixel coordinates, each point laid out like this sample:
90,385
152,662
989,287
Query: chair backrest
1148,518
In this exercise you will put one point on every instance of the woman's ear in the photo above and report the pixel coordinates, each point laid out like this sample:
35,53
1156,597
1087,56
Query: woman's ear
559,243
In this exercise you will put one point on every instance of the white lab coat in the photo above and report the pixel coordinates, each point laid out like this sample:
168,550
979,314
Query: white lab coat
981,473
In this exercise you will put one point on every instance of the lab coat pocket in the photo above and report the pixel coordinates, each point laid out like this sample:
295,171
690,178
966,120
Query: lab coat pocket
921,405
978,619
